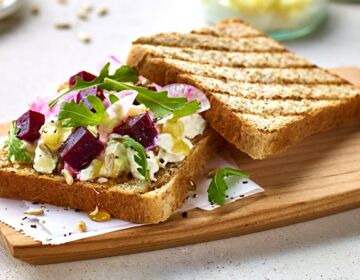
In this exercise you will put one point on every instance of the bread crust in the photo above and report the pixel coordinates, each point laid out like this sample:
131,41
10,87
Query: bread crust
150,207
254,140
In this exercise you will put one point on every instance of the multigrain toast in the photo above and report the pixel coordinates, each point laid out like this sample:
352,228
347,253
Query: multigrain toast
263,97
124,198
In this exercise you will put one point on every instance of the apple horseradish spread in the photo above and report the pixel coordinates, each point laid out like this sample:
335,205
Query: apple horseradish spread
107,126
110,126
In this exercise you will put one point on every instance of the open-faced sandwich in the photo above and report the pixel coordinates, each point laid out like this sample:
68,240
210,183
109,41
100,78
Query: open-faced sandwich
131,148
114,142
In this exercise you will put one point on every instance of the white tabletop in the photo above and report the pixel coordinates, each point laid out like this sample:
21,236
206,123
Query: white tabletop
35,58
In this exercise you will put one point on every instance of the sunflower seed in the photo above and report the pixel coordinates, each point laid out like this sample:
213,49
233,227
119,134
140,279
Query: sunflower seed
34,212
81,227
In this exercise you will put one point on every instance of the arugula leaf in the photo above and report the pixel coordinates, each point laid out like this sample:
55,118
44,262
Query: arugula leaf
16,152
73,115
122,74
187,109
158,102
140,157
218,185
113,98
125,74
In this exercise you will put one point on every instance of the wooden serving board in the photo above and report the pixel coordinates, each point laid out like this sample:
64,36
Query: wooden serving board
319,177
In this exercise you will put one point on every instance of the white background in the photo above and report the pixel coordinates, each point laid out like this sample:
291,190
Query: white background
35,58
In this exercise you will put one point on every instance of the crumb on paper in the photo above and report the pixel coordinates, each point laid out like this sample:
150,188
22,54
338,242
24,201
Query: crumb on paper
81,227
87,7
84,37
62,25
82,14
35,9
102,11
62,2
35,212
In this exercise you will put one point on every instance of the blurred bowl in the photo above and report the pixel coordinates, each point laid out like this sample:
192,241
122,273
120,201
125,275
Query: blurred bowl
281,19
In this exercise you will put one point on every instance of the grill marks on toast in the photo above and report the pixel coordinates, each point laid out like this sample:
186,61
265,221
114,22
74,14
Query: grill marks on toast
229,29
249,73
256,78
264,98
207,42
273,91
273,99
227,59
274,107
257,75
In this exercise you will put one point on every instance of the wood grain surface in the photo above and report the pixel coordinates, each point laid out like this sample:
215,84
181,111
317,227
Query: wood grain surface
319,177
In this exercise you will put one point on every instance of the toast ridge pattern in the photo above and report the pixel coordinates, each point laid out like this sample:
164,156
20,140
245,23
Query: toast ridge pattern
263,96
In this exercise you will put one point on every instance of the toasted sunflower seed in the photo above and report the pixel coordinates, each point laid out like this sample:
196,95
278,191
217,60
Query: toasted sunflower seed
81,227
102,11
68,177
62,25
34,212
84,37
82,14
35,10
87,7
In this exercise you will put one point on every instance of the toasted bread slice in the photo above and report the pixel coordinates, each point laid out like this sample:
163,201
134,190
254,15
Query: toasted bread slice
123,198
263,97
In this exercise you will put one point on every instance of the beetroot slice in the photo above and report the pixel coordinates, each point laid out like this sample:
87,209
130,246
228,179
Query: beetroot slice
29,125
141,128
83,75
80,148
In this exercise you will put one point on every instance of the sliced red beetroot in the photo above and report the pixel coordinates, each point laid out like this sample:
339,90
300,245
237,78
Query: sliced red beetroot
80,148
29,125
141,128
83,75
94,91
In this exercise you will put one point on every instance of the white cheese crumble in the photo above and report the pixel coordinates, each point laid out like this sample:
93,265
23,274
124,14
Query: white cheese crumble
112,163
194,125
153,165
185,129
166,143
44,161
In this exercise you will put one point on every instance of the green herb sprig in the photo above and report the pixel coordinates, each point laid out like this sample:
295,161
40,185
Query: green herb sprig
73,115
158,102
218,186
122,74
16,152
140,156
